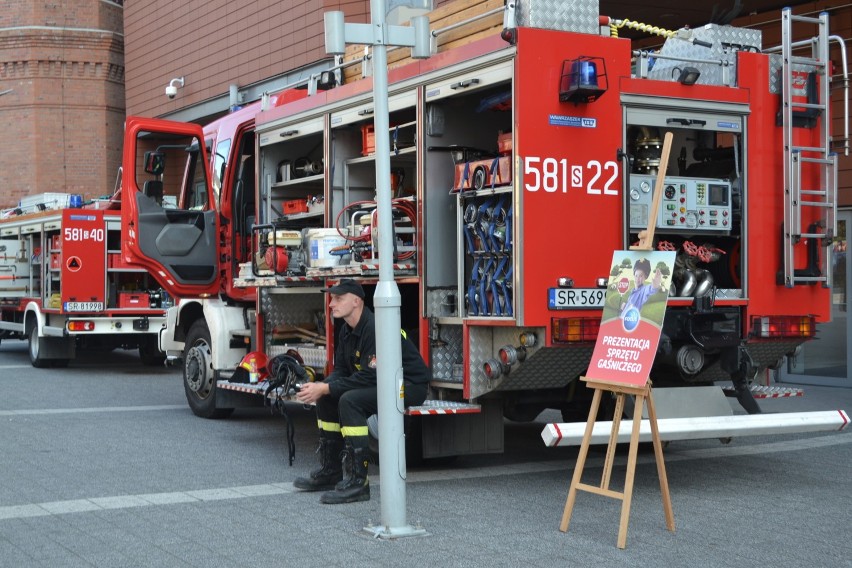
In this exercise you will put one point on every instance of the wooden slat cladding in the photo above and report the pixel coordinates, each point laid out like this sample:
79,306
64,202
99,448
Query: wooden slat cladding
441,17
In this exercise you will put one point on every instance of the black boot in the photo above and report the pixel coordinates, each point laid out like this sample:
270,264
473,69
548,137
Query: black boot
355,486
329,472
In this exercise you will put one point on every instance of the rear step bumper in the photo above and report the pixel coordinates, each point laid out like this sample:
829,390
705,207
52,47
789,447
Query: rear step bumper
697,428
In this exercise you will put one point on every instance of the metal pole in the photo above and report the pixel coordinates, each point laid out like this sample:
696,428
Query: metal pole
387,303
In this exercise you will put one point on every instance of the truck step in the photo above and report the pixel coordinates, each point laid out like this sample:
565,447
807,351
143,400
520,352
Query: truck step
571,434
428,408
760,391
436,407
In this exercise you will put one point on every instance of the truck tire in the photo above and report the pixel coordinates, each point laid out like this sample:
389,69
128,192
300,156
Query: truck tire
35,350
199,381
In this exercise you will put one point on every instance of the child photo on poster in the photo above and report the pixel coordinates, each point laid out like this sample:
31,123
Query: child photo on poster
632,318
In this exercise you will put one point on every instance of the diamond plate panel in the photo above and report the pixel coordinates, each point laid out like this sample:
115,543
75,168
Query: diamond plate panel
485,342
550,368
726,40
776,63
447,353
442,302
579,16
728,293
291,309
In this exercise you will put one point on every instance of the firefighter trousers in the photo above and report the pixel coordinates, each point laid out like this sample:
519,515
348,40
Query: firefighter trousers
347,415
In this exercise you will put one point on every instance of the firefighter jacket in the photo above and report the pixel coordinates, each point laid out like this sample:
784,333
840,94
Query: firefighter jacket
355,358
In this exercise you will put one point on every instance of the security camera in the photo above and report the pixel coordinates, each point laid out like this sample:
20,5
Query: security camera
172,87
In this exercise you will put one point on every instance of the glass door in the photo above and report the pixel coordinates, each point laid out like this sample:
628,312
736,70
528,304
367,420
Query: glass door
825,360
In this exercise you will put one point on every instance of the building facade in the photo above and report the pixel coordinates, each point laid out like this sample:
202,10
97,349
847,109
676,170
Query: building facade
64,92
61,97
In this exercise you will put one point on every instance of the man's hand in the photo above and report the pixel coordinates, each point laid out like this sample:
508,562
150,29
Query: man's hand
312,392
658,279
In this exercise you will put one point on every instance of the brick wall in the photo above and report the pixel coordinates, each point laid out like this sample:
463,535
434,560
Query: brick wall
64,63
214,43
63,119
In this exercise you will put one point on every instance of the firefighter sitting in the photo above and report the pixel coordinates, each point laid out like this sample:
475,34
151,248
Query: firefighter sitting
348,396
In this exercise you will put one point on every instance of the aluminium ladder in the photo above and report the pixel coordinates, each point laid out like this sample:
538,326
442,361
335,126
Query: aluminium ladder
799,198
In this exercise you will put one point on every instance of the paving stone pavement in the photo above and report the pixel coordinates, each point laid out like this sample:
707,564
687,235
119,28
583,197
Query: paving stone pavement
103,465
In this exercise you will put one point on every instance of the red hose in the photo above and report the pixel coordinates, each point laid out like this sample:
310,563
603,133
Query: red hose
404,205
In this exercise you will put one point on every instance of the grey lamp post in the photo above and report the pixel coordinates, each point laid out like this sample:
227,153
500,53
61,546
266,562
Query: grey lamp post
386,299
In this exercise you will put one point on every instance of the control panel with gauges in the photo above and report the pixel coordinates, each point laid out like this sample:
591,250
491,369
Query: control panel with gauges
687,204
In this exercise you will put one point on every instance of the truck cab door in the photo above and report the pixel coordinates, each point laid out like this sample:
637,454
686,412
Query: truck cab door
169,206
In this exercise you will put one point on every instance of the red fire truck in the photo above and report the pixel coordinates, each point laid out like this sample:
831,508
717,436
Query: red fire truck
520,161
64,287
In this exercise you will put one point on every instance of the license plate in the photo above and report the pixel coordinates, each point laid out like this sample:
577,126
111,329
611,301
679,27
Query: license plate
575,298
84,306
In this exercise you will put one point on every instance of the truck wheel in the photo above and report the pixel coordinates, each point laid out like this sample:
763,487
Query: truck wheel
36,359
199,381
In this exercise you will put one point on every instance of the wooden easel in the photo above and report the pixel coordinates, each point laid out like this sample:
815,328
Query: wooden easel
646,241
641,393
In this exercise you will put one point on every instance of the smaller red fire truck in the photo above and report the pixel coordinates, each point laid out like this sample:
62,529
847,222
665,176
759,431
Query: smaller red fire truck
64,286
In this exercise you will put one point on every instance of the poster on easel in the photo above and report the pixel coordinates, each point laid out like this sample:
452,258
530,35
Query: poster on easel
633,313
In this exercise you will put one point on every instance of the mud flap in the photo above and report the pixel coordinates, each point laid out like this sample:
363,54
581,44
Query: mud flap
464,434
737,362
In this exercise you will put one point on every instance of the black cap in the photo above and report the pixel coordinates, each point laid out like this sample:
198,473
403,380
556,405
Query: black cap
346,286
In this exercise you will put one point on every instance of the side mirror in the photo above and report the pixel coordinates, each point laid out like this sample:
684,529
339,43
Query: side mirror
155,163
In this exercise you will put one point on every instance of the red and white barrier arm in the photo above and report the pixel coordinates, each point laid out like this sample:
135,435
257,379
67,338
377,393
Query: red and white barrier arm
571,434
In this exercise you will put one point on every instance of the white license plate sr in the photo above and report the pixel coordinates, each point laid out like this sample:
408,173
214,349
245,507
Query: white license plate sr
575,298
84,306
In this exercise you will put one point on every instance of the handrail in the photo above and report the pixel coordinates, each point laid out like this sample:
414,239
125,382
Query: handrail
845,75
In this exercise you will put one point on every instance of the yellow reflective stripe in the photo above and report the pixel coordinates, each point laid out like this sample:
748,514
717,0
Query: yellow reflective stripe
328,426
405,335
355,431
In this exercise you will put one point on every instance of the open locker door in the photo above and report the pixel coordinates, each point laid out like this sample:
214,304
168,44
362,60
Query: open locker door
169,206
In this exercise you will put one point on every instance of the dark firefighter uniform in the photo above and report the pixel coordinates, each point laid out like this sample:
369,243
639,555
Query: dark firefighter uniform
353,393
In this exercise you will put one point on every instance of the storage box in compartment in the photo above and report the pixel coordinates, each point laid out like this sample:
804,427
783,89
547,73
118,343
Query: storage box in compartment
401,136
504,143
55,259
294,206
133,300
368,139
55,242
